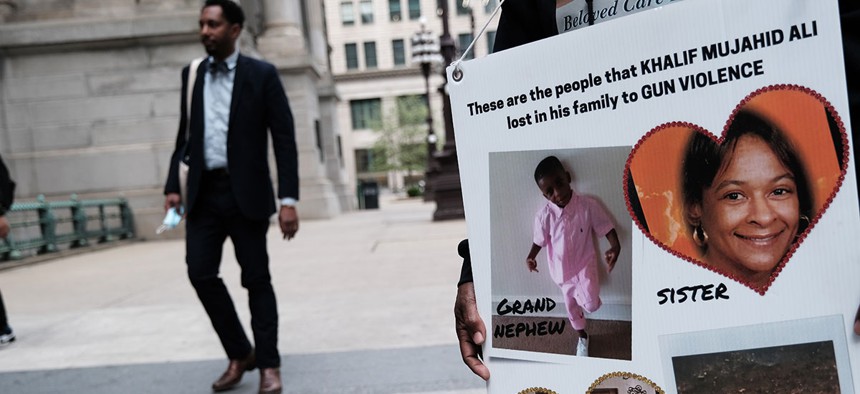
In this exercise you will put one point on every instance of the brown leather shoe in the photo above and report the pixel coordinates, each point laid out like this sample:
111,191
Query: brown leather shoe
270,381
233,375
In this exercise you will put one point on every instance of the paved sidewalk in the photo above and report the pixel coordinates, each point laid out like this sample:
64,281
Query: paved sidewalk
365,302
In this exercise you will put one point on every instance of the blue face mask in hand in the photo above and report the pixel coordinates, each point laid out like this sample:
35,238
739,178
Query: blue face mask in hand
171,220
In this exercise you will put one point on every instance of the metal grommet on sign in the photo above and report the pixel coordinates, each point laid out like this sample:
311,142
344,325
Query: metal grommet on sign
457,74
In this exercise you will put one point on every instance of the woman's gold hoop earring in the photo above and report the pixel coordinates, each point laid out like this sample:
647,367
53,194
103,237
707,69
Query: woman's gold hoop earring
700,237
802,225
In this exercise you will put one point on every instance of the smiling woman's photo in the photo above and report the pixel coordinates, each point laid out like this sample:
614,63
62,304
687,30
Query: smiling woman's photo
745,200
740,202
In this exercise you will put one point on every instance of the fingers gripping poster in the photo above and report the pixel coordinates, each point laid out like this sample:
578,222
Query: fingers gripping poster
665,202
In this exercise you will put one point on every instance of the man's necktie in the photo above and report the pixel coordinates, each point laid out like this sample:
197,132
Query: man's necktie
218,67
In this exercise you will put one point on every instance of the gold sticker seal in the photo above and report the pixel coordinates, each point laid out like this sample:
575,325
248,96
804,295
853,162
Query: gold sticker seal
537,390
624,383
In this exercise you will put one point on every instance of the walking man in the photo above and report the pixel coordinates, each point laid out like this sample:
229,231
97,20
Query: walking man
7,196
235,102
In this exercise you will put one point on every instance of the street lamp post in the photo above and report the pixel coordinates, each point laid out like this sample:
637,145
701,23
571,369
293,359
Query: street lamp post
446,183
471,9
425,51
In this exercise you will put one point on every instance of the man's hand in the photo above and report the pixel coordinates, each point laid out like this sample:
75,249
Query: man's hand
470,329
4,227
531,262
289,221
172,200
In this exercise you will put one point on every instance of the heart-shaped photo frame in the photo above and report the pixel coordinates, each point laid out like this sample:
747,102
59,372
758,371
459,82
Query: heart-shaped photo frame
740,204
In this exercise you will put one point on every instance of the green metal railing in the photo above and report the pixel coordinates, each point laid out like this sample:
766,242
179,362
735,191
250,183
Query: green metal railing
42,227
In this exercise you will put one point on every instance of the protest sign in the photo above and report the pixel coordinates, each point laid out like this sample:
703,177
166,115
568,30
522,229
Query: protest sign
713,137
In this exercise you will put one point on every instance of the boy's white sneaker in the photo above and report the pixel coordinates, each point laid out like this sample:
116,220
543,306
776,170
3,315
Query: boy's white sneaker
7,336
582,347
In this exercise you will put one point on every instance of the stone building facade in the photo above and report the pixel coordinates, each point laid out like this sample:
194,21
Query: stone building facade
90,91
371,58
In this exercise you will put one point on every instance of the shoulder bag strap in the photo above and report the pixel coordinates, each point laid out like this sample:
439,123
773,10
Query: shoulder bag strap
192,80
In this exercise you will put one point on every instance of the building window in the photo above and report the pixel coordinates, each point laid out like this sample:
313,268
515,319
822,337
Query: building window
366,8
465,39
398,48
340,151
491,40
414,9
347,13
370,54
411,109
462,9
319,137
351,56
394,11
366,113
490,6
363,160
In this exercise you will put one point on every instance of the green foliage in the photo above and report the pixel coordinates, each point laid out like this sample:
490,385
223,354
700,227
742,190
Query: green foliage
413,191
401,143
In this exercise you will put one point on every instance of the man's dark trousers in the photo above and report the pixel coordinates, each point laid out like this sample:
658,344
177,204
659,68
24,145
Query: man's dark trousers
215,217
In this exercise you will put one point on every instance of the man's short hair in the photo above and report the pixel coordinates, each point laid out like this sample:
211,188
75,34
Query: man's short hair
232,11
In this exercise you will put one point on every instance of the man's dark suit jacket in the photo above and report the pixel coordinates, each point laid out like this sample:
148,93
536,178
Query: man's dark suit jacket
258,105
7,189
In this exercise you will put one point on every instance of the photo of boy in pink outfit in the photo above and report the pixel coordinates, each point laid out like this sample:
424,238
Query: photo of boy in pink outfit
565,226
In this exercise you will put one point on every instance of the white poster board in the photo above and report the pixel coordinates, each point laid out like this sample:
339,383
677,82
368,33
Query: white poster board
619,103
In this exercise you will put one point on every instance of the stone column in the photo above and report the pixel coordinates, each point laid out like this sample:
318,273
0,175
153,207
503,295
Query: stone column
7,7
333,147
284,43
283,34
317,35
